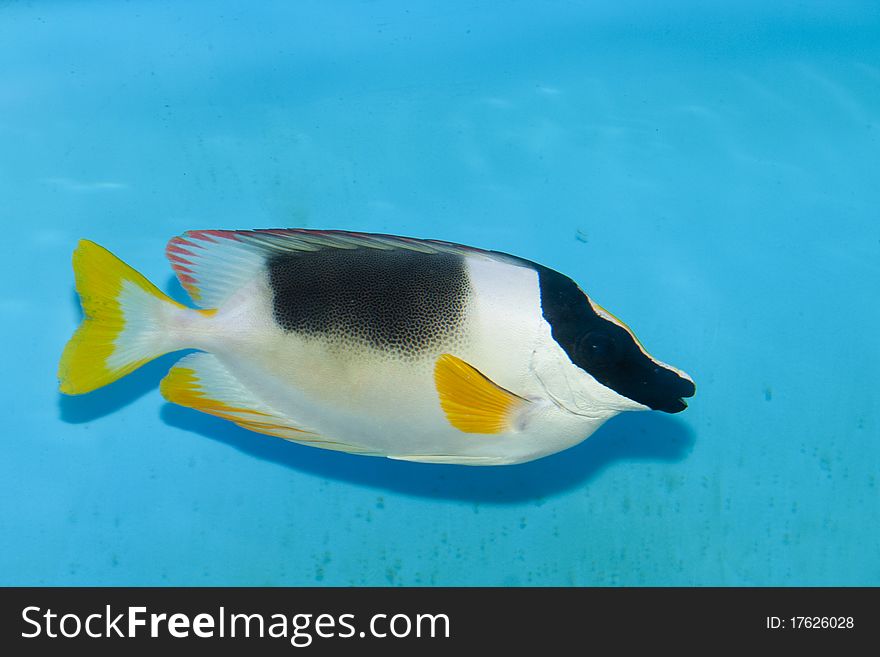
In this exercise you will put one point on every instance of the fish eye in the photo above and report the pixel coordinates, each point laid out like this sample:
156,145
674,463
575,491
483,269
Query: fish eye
597,347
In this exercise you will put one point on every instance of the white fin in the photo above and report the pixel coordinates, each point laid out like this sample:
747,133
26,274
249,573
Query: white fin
449,459
212,264
202,382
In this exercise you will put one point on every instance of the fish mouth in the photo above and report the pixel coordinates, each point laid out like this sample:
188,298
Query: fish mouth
684,388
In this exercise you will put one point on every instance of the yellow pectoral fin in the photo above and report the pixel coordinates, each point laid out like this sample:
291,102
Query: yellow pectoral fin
472,402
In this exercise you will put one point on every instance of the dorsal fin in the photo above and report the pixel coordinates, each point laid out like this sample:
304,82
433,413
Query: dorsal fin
212,264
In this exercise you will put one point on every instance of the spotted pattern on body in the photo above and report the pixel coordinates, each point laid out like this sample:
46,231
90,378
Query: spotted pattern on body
401,302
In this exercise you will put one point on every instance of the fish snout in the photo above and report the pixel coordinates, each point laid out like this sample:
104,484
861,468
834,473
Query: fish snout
676,386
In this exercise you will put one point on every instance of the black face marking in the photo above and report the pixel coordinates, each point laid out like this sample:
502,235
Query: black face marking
606,350
394,300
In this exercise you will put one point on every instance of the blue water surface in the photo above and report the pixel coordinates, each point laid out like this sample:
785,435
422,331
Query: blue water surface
708,173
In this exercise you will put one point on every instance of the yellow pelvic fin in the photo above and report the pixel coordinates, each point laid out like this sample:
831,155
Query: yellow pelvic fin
472,402
123,322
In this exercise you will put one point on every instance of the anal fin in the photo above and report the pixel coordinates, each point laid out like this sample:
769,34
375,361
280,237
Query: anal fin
450,459
471,401
200,381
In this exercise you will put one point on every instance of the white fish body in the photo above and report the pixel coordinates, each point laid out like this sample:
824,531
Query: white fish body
378,345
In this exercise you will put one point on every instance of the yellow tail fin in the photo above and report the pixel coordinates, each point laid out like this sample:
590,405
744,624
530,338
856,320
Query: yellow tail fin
123,327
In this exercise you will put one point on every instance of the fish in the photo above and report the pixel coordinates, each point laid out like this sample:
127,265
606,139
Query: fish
412,349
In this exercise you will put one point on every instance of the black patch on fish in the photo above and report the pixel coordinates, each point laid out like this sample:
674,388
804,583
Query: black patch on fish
398,300
606,350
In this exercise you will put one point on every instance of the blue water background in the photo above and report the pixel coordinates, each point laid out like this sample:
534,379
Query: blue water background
709,173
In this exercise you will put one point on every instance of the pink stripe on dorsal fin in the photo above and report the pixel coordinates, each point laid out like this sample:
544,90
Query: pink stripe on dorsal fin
212,264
